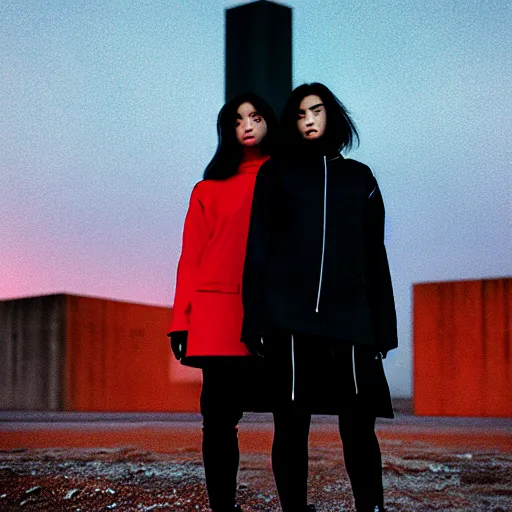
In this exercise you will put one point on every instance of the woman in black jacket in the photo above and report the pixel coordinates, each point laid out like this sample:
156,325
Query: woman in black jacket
317,295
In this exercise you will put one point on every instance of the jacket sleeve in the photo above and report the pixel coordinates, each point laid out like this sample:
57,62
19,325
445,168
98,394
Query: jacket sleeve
378,276
195,237
261,232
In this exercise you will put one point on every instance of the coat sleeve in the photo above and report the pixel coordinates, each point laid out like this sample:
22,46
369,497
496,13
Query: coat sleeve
378,276
195,237
261,232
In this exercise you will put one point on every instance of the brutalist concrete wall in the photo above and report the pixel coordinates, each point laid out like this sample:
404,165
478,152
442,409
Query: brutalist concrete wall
32,332
73,353
118,358
463,348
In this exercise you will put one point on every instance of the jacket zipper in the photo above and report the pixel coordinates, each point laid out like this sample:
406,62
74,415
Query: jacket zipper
323,236
293,369
354,368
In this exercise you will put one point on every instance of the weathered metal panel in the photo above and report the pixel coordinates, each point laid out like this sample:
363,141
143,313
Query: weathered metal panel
118,359
31,353
65,352
462,348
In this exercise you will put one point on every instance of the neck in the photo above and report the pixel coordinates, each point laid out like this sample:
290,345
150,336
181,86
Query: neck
252,153
251,160
315,148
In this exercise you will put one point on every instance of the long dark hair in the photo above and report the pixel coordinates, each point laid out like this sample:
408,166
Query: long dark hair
340,132
228,156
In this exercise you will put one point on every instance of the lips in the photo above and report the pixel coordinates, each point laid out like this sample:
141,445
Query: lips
249,137
309,132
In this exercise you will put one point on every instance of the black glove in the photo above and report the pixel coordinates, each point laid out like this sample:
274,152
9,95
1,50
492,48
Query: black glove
254,345
178,343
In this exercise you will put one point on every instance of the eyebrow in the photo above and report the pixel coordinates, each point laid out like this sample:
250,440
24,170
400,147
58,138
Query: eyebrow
312,108
255,113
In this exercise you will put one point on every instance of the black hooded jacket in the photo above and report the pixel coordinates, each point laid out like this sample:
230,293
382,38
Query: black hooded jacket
316,261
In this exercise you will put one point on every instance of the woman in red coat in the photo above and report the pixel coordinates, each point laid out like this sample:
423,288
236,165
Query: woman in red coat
207,313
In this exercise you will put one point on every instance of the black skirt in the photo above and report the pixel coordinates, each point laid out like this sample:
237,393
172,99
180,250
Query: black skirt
235,384
324,376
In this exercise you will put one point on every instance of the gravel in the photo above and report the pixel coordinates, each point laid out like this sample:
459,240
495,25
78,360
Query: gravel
418,476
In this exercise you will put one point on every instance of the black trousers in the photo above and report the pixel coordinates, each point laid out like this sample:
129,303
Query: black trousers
221,456
361,453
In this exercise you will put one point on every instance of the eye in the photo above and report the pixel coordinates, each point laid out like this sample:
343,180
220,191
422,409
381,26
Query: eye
257,119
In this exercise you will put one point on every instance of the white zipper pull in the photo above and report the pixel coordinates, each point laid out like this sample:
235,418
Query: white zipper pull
354,368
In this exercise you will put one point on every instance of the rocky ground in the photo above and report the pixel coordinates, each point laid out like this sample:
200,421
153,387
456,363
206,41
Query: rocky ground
418,476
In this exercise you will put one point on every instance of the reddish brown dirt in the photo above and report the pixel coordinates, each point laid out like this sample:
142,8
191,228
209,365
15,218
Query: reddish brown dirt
89,467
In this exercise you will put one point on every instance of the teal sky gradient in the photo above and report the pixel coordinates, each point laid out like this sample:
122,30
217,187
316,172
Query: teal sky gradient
107,120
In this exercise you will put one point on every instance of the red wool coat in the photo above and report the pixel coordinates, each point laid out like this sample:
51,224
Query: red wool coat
208,300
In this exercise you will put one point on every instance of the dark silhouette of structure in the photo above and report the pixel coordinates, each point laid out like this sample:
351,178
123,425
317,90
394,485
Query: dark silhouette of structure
259,51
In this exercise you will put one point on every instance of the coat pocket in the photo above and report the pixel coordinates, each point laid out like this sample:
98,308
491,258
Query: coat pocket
219,288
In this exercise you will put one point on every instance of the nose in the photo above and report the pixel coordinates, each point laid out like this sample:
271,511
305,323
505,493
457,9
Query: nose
248,125
309,119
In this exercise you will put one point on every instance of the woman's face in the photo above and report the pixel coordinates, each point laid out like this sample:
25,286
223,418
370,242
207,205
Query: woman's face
250,127
311,117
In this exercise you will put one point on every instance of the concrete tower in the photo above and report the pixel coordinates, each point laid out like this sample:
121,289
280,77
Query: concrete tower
259,51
